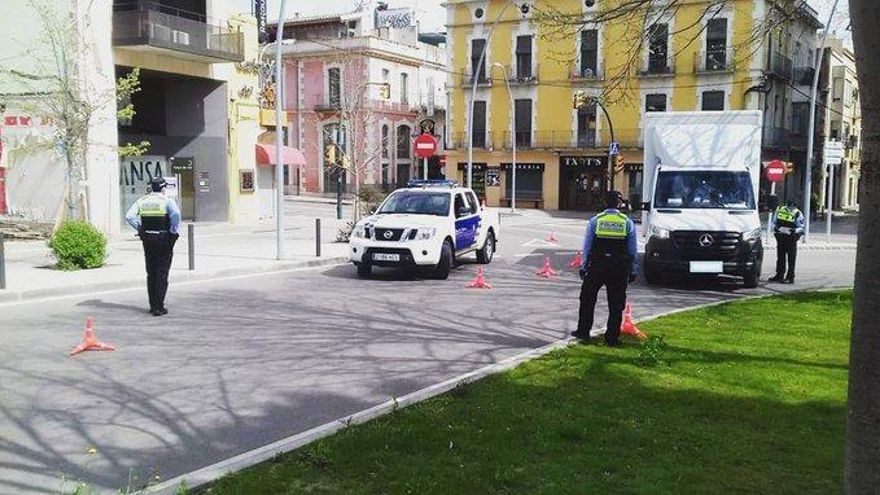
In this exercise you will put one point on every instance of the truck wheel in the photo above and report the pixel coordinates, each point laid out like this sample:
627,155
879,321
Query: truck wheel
750,281
364,270
443,268
484,256
652,274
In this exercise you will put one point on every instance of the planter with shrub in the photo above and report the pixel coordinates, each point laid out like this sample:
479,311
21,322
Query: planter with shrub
78,245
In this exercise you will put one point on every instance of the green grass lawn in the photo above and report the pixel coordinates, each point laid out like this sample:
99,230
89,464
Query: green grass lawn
750,399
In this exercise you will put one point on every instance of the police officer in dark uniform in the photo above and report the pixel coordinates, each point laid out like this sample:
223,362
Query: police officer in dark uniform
156,217
610,251
788,227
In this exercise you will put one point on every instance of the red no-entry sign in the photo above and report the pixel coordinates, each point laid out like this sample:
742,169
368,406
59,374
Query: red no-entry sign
775,171
425,146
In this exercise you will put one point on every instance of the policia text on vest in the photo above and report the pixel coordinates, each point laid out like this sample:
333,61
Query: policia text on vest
610,251
157,220
788,227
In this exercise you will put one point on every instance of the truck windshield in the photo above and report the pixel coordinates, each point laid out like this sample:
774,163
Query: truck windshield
416,203
702,189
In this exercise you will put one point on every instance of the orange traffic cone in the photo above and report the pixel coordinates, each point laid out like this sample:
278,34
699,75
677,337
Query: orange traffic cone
479,282
577,261
628,327
552,237
90,342
547,270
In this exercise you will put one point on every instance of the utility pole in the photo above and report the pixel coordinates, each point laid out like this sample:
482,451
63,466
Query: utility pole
279,139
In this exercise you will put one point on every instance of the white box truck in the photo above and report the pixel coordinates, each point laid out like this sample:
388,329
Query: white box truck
701,176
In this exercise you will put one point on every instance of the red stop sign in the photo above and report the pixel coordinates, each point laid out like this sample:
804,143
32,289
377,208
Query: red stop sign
425,146
775,171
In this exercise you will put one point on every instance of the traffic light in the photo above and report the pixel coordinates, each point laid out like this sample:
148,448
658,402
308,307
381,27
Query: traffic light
385,91
789,167
330,153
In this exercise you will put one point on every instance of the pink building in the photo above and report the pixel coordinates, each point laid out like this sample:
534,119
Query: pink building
358,88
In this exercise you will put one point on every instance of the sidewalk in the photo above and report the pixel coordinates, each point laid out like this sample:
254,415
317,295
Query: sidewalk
221,250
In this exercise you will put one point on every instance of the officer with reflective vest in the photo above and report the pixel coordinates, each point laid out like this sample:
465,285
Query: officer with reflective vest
610,251
156,217
788,227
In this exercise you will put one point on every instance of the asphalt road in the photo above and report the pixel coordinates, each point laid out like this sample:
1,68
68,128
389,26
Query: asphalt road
243,362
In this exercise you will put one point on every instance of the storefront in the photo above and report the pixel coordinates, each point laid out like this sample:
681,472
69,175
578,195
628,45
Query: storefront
582,182
529,185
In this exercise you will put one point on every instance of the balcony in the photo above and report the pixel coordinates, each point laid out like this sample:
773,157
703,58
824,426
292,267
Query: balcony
528,78
467,78
660,66
780,66
552,140
713,61
164,29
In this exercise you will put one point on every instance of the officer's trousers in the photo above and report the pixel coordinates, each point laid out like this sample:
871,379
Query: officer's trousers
615,277
786,250
158,252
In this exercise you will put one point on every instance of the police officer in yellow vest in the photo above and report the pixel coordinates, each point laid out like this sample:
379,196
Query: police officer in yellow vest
788,227
610,251
157,220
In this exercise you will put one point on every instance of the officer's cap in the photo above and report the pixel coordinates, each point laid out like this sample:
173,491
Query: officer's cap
157,184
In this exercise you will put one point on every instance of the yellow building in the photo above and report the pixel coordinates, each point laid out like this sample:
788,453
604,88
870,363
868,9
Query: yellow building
681,60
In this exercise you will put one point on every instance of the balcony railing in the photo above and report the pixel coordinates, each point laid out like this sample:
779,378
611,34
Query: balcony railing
467,77
715,60
138,23
659,66
546,139
525,77
780,66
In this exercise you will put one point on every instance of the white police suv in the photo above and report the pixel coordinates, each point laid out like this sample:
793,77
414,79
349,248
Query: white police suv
425,225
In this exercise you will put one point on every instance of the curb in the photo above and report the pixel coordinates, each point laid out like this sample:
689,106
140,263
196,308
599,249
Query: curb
84,289
245,460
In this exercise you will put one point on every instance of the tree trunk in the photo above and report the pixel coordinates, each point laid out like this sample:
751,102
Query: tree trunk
862,468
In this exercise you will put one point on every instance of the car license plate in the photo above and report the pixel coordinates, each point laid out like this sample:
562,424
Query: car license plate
385,257
707,267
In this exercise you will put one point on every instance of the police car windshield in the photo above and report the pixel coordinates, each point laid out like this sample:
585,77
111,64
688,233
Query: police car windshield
416,203
703,190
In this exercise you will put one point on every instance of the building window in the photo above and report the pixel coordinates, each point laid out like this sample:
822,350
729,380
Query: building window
523,57
658,49
655,103
713,100
589,52
334,87
478,126
716,44
385,141
477,70
800,118
847,93
404,89
523,123
403,141
586,126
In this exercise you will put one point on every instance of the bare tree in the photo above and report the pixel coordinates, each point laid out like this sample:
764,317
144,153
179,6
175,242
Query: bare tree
863,406
59,91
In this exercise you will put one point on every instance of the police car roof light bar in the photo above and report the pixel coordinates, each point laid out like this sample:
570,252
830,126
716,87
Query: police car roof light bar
431,183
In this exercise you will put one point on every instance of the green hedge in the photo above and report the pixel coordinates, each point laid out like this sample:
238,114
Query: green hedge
78,245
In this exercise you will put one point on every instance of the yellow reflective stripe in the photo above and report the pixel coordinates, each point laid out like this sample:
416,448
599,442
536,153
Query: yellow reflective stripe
611,226
785,215
153,207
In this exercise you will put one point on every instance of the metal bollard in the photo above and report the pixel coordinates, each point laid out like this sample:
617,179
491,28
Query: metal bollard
191,245
318,237
2,263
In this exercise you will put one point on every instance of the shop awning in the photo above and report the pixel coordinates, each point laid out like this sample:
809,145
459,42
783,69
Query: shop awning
266,155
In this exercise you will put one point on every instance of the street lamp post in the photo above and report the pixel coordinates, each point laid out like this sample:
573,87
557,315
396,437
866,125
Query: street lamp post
279,141
808,173
470,119
513,135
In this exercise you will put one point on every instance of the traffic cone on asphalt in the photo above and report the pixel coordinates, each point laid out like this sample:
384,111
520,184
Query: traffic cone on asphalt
577,261
552,237
628,327
90,342
479,282
547,270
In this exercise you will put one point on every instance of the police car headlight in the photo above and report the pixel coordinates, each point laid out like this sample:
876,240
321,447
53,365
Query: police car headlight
425,234
660,233
753,235
358,232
